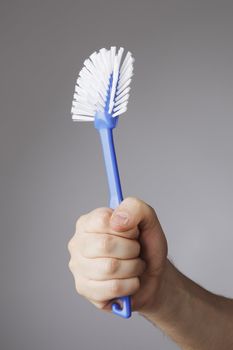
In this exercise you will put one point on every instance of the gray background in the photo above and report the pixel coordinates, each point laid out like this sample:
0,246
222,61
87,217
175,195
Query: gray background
174,148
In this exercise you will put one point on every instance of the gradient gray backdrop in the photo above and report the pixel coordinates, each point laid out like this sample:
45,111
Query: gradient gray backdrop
174,147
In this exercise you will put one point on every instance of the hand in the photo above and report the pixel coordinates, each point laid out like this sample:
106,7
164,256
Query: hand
119,252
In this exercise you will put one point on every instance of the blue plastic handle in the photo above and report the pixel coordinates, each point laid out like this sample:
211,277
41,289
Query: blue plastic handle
123,306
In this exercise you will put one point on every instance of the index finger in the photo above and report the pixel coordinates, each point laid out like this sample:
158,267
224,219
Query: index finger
98,221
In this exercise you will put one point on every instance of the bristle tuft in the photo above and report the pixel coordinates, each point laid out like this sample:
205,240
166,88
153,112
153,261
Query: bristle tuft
93,83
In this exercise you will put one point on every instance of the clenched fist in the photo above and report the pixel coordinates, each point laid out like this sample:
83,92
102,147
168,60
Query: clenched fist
119,252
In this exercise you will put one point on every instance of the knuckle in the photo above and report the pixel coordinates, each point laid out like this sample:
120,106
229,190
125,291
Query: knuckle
115,286
151,209
80,222
70,245
111,266
84,248
106,244
78,290
134,201
78,287
102,217
71,265
135,284
137,248
140,204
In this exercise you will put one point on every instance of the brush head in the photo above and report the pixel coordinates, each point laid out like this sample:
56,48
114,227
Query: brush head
103,85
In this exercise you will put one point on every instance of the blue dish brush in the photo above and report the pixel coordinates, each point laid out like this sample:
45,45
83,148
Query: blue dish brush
101,95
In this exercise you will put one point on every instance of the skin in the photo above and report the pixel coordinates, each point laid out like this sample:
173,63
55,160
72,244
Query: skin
124,252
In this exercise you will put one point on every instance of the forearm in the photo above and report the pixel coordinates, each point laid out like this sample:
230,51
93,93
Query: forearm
193,317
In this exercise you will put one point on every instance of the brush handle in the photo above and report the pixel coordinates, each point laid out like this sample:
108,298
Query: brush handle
123,307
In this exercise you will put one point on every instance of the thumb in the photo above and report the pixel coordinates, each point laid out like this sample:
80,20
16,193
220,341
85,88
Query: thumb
133,212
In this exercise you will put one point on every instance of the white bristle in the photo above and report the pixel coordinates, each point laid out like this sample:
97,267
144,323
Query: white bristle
120,95
115,78
92,86
123,87
103,53
82,118
121,111
126,75
127,61
121,100
113,53
122,105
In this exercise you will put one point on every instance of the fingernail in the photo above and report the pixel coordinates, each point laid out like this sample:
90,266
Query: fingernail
120,218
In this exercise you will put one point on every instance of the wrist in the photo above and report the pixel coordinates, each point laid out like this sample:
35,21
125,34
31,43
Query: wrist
168,297
192,316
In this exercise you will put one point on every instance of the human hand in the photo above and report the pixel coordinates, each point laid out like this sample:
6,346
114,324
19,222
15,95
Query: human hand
112,256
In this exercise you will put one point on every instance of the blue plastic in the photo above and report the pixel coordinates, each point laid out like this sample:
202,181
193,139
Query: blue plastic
115,199
104,122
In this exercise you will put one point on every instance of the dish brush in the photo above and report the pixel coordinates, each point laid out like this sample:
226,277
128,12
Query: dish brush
101,96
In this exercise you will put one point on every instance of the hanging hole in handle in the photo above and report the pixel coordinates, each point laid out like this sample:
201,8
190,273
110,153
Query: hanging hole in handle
122,307
118,304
